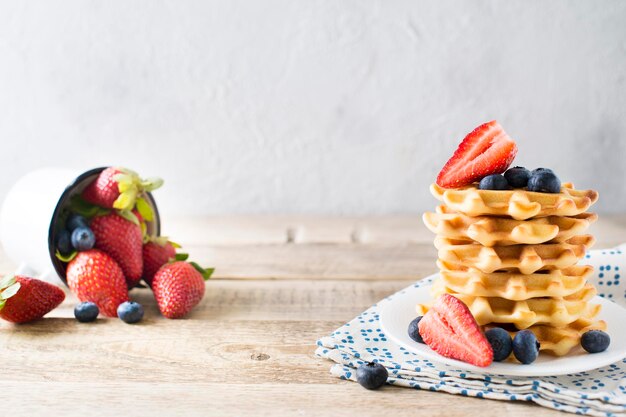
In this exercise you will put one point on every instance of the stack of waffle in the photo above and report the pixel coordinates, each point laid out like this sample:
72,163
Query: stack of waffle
512,258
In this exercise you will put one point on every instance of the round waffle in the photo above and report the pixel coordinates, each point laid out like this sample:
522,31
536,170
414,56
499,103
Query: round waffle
518,203
500,231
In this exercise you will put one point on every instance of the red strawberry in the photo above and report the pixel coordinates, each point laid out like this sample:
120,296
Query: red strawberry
118,188
155,255
178,287
94,276
450,330
24,299
122,240
486,150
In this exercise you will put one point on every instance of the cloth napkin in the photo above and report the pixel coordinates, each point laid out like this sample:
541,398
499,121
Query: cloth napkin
601,392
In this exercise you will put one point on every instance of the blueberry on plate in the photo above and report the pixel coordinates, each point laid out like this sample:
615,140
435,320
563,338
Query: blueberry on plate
493,182
74,221
86,312
517,177
83,238
371,375
595,341
64,244
544,181
414,331
501,343
525,346
130,312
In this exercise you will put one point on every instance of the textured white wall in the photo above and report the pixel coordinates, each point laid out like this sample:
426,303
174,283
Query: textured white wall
310,106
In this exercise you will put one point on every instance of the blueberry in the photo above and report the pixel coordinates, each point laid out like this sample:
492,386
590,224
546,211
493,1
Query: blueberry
544,181
74,221
525,347
595,341
64,244
130,312
501,343
86,312
414,332
517,177
536,170
371,375
493,182
83,238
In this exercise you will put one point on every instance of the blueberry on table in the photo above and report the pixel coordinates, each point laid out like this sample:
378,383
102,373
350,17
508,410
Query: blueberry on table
517,177
64,244
501,343
83,239
544,181
74,221
525,346
130,312
595,341
371,375
86,312
493,182
414,332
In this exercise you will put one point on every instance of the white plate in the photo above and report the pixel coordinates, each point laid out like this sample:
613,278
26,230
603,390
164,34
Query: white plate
397,313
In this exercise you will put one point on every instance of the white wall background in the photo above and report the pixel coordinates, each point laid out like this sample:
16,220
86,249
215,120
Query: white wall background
310,106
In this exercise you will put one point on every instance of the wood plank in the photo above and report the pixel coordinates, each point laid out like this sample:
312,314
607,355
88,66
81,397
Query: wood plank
240,398
318,261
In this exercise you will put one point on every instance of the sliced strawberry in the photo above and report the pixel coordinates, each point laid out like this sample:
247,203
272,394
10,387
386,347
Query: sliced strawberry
486,150
450,330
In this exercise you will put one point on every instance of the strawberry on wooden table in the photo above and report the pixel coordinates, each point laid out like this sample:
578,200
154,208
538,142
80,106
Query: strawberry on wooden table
156,253
24,299
449,329
178,287
94,276
484,151
123,241
118,188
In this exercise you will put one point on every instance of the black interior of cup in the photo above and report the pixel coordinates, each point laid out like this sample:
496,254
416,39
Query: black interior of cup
55,225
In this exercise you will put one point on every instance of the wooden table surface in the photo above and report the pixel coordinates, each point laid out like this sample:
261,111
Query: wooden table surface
281,282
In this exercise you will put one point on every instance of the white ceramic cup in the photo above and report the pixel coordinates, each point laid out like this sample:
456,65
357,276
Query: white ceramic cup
29,219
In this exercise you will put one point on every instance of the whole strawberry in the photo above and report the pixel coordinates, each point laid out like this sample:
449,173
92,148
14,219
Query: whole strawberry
178,287
94,276
156,253
24,299
122,240
118,188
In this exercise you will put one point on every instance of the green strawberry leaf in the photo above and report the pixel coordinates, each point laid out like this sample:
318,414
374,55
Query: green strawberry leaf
65,258
181,256
206,273
151,184
7,281
85,209
126,200
175,245
144,209
128,215
11,291
2,302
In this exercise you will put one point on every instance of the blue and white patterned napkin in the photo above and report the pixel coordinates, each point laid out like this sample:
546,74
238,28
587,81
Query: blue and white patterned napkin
601,392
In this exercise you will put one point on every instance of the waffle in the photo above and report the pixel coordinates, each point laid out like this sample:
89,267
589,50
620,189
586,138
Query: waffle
518,204
526,259
557,312
491,231
514,286
560,341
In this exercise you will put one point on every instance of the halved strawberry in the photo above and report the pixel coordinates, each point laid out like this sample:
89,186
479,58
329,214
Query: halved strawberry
486,150
450,330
